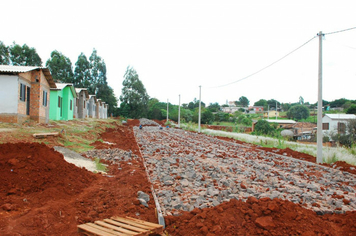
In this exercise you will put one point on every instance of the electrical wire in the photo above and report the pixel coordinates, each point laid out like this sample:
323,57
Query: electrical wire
266,66
339,31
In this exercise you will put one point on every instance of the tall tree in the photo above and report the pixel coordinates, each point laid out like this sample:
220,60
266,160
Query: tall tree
60,67
106,94
134,95
82,72
97,71
244,101
24,56
298,112
4,54
273,103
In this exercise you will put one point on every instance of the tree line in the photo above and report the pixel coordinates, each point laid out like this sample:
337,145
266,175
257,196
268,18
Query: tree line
88,73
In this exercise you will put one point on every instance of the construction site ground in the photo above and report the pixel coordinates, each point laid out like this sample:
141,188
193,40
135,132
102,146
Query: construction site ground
244,189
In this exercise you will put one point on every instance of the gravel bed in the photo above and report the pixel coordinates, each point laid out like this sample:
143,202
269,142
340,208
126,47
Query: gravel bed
190,170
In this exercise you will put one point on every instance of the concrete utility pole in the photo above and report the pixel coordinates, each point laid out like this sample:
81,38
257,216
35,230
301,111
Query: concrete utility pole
319,154
276,110
167,111
179,113
199,109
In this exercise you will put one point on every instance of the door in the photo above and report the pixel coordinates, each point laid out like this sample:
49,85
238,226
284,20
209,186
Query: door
28,101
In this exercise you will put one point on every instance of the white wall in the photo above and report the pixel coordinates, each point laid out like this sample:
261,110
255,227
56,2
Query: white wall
9,87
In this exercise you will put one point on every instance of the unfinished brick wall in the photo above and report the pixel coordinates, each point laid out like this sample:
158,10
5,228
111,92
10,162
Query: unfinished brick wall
38,112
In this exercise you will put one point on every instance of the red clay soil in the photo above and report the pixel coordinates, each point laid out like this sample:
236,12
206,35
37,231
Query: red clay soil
121,137
260,217
42,194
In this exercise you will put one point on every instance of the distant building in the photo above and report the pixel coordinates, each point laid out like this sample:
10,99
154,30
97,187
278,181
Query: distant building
336,123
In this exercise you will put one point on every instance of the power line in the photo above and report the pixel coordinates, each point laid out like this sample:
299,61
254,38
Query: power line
266,66
339,31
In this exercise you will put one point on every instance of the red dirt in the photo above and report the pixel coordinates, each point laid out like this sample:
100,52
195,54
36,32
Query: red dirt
121,137
42,194
260,217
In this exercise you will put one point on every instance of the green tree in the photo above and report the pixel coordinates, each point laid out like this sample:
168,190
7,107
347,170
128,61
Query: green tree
24,56
272,103
263,127
261,103
244,101
214,107
134,94
4,54
106,94
207,117
351,110
298,112
97,71
60,67
82,78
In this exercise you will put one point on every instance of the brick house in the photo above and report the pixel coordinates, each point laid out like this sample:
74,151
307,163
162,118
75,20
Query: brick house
24,92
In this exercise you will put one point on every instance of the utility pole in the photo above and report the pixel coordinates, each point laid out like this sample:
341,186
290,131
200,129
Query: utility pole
179,113
319,155
199,109
276,110
167,111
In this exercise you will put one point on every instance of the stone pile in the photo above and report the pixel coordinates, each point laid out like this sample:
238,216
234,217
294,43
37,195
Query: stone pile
147,122
190,170
113,155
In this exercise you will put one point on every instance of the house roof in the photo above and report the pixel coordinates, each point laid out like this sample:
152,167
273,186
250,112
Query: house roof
23,69
92,96
282,121
78,90
61,86
341,116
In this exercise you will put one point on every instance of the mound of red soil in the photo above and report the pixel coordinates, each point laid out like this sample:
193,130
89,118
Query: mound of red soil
260,217
133,122
121,137
42,194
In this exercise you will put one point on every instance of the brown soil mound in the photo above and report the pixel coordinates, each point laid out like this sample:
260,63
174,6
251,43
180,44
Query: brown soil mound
260,217
133,122
42,194
121,137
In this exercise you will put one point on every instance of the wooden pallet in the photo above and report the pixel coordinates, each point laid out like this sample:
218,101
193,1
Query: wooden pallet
120,226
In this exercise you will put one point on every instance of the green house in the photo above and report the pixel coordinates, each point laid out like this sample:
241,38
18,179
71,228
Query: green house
62,101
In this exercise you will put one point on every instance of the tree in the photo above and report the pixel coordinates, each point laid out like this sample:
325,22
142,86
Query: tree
244,101
261,103
4,54
60,67
97,71
134,94
214,107
207,117
82,72
106,94
273,103
24,56
351,110
263,127
298,112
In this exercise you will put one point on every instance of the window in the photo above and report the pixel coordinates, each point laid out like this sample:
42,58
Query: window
59,101
44,102
341,128
71,105
325,126
22,92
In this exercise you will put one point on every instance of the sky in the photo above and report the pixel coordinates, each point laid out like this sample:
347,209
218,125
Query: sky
177,46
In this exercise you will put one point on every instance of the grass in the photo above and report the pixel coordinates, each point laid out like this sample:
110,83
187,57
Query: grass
100,166
330,154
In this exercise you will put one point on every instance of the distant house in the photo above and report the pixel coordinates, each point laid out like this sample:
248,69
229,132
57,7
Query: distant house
92,106
80,108
336,123
62,101
105,111
255,109
270,114
24,93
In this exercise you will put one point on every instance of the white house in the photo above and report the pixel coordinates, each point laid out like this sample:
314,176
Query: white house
336,123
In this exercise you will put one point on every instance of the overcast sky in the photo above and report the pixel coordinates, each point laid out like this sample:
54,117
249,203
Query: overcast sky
176,46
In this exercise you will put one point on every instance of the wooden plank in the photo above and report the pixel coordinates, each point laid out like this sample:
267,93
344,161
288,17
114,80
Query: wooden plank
43,135
122,230
111,231
126,226
145,222
93,231
130,222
